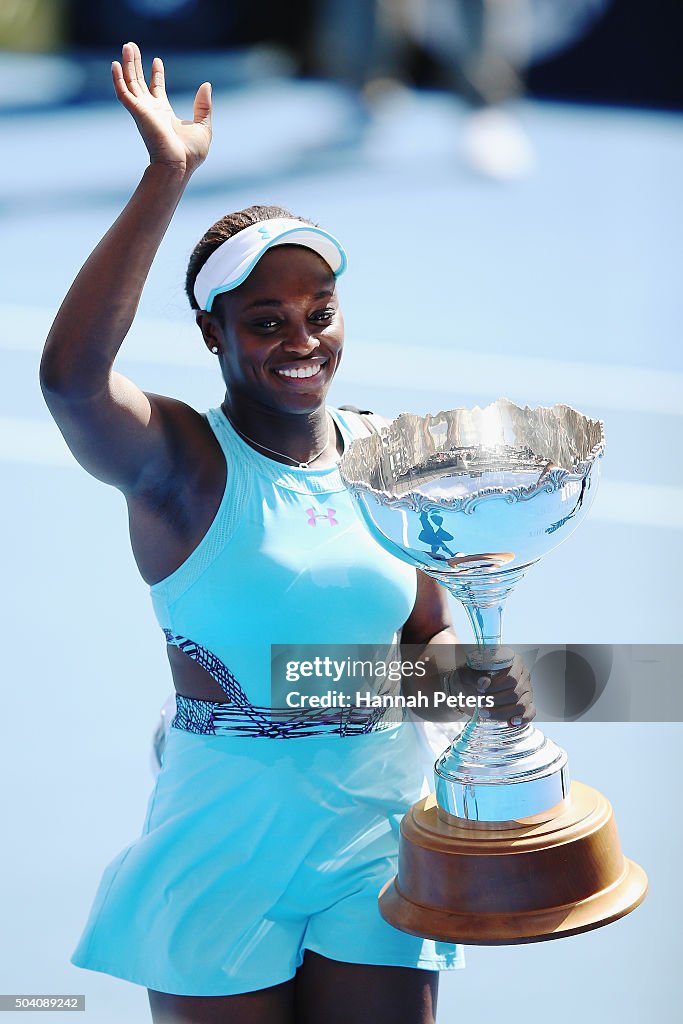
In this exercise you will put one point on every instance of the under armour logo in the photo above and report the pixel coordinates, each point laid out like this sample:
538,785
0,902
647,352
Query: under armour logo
329,515
264,233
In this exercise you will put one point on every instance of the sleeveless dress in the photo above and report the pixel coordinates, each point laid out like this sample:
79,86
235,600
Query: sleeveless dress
268,831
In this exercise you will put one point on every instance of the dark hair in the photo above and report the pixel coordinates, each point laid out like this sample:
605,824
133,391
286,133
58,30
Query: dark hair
223,229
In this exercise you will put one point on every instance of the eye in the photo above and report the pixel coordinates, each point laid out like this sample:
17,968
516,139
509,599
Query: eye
324,315
266,325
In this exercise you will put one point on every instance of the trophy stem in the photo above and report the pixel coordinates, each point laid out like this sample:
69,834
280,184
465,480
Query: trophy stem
484,601
494,771
487,623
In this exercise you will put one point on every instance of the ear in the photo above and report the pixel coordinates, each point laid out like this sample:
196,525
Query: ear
211,330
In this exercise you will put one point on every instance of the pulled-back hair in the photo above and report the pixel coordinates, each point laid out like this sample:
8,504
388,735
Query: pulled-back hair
223,229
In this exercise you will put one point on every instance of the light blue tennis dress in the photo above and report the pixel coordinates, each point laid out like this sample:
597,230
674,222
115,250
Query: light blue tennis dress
266,837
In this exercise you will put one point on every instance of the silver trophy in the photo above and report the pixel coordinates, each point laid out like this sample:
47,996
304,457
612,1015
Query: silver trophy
474,497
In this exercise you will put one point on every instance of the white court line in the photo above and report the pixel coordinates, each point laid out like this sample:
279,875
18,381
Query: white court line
39,443
420,367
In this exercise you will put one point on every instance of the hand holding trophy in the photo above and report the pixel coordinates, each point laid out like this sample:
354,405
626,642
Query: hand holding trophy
507,850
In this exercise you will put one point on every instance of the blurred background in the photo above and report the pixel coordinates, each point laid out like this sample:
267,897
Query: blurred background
505,175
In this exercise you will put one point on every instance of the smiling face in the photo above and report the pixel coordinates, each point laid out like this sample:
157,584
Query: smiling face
281,333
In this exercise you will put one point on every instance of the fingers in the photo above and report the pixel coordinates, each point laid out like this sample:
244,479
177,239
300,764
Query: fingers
139,73
129,73
505,679
509,692
132,73
527,715
158,78
129,82
512,695
119,84
494,684
202,105
520,706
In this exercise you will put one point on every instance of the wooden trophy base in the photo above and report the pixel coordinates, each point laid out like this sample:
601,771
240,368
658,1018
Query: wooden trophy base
501,885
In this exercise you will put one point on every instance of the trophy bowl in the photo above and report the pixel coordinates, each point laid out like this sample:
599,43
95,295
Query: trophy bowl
507,849
438,490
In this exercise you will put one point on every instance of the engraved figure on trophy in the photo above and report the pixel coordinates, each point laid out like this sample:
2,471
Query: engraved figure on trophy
434,535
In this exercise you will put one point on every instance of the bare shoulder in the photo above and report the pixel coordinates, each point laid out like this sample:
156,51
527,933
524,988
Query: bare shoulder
190,449
171,509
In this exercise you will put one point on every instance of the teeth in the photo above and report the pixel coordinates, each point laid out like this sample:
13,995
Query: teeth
302,371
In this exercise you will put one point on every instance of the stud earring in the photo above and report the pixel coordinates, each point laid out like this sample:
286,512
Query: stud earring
214,349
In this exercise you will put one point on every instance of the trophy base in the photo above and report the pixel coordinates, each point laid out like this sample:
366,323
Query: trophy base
495,773
537,881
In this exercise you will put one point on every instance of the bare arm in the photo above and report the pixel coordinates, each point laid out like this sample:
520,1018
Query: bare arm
117,432
429,632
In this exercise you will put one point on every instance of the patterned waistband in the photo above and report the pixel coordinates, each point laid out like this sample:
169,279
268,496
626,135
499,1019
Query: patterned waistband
239,717
213,718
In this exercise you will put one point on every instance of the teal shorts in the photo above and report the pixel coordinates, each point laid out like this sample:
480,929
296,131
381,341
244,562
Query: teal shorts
253,851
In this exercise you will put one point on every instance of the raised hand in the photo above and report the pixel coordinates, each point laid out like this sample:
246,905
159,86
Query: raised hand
170,141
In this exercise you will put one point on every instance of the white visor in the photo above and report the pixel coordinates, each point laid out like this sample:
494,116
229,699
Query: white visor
232,262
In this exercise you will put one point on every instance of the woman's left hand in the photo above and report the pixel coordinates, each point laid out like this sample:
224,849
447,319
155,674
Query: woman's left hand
509,692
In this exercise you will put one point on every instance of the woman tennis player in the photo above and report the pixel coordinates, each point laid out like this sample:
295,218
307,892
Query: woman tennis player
250,896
